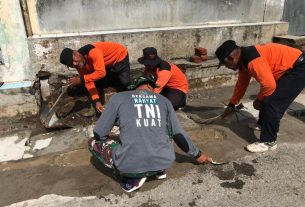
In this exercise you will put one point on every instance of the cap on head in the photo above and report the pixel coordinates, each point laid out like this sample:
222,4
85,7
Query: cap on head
150,57
225,50
141,80
66,57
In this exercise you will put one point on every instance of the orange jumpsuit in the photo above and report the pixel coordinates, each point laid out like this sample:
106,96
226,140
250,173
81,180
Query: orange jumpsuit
172,83
99,56
266,63
170,76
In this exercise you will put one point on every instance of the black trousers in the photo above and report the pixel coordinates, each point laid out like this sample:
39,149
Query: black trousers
117,76
288,87
176,97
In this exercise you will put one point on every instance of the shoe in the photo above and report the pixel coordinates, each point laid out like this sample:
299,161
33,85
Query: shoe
261,146
161,175
132,184
254,126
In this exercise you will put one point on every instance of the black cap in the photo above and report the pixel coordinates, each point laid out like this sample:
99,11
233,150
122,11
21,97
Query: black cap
66,57
143,79
150,57
225,50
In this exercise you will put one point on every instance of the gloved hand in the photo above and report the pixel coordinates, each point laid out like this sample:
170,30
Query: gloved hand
257,104
229,109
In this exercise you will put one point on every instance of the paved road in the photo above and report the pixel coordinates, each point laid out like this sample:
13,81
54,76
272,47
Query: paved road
270,179
62,172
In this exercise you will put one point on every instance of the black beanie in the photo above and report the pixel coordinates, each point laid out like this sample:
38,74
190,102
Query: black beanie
225,50
66,57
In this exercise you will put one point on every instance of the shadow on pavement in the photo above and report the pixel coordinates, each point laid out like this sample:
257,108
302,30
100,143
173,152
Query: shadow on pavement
101,168
236,122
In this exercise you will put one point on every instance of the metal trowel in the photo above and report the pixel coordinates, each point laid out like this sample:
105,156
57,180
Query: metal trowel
217,163
213,162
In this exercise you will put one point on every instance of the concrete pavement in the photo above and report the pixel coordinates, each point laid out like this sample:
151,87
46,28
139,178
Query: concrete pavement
61,171
270,179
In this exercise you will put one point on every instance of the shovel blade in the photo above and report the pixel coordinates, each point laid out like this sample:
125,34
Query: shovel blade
47,118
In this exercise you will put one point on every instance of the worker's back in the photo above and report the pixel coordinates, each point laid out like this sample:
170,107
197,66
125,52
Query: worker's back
145,143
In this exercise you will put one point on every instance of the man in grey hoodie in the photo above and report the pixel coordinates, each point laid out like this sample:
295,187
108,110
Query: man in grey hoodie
148,124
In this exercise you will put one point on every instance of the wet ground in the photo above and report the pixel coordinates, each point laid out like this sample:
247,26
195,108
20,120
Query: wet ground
66,168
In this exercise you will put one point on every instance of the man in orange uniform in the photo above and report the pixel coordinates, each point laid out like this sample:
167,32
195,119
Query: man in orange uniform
279,69
100,65
171,80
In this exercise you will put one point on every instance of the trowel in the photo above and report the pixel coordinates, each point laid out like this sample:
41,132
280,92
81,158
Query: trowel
48,116
217,163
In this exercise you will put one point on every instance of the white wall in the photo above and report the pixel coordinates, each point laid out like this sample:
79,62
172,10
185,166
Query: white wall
64,16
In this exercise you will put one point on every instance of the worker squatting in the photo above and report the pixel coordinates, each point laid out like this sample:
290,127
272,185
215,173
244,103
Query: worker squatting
148,111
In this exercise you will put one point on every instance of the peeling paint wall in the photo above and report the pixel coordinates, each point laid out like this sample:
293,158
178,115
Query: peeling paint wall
13,43
64,16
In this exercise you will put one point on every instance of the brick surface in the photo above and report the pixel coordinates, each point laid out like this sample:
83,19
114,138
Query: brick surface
196,59
204,57
200,51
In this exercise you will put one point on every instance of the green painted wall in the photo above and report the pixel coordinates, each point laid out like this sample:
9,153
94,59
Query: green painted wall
13,43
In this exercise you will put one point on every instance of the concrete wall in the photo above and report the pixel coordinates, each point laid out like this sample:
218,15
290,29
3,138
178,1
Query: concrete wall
13,43
65,16
171,43
174,27
294,13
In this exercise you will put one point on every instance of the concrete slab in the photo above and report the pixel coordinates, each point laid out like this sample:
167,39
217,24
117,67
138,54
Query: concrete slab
65,173
12,148
269,179
290,39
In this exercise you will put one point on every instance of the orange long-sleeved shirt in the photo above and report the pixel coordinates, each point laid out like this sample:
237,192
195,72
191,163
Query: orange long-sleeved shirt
99,56
169,75
266,63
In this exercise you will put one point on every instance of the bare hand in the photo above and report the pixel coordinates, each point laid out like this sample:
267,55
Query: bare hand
99,107
75,80
227,111
203,159
257,104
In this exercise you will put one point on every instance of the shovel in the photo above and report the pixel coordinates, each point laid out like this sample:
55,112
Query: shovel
48,117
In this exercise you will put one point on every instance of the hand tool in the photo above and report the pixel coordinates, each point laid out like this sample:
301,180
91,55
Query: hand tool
48,116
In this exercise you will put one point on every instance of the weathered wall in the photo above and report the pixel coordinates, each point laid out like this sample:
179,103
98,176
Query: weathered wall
171,44
64,16
294,13
174,27
273,10
13,43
